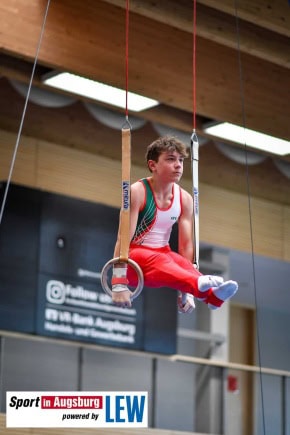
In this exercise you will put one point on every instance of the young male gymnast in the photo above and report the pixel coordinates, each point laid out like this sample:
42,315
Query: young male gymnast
157,203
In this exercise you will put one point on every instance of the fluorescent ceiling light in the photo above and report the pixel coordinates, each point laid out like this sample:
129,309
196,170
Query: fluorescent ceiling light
253,139
98,91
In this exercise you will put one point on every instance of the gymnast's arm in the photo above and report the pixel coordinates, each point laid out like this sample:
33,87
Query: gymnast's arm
185,302
136,202
120,292
185,227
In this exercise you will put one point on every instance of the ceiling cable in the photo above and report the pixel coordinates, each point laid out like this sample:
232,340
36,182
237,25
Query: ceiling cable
194,67
4,200
242,98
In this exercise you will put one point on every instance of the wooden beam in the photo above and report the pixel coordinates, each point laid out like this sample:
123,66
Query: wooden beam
20,70
246,37
89,39
271,14
215,26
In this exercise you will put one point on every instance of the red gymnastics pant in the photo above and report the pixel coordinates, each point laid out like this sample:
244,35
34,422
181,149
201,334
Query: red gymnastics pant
163,267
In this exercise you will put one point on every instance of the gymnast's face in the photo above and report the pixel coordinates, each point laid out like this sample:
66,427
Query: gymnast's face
169,166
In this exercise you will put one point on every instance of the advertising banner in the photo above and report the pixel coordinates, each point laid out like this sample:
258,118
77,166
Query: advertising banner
72,310
77,409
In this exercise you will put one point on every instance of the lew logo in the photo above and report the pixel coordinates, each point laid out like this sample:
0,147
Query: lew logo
126,196
126,409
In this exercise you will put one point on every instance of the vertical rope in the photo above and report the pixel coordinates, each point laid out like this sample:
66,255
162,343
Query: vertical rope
126,161
23,115
127,58
194,67
242,98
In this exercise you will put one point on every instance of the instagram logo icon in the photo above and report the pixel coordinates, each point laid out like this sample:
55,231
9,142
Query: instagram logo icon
55,292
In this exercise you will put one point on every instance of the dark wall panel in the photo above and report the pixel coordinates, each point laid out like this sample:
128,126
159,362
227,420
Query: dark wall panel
53,250
88,230
19,248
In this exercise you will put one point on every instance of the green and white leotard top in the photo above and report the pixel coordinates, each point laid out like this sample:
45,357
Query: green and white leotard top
154,224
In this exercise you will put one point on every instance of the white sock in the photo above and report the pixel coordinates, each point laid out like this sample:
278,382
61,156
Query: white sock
224,292
205,282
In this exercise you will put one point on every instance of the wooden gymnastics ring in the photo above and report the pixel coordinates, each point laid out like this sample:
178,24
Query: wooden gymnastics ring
135,266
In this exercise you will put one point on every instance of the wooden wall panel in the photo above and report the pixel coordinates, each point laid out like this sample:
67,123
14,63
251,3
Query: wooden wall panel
267,227
79,174
26,162
224,215
225,221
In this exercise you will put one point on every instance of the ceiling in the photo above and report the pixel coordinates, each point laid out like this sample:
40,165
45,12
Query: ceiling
242,74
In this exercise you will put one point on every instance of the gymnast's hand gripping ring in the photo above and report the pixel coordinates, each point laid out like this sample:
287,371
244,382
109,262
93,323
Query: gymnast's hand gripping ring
134,265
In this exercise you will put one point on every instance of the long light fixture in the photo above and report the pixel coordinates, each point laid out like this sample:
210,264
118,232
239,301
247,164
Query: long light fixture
251,138
98,91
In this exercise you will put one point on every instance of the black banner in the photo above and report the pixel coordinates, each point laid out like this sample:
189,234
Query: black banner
72,310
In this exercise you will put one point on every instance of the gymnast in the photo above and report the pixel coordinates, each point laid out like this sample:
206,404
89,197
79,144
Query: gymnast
157,203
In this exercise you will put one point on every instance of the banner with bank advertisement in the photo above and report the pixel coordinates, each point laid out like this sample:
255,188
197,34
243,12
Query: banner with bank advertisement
83,312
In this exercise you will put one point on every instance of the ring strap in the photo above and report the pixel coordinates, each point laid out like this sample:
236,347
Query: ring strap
194,170
126,183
